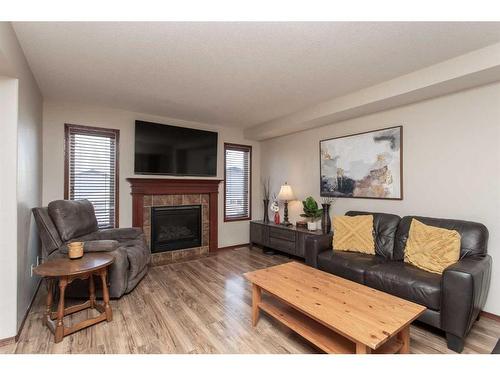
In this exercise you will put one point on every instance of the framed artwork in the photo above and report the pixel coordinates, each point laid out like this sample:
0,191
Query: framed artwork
364,165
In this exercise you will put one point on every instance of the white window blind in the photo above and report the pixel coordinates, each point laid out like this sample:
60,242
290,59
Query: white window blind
237,161
92,170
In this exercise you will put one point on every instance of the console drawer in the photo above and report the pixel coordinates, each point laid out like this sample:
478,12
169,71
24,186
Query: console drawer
283,234
282,245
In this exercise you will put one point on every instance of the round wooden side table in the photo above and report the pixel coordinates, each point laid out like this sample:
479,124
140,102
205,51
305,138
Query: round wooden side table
65,271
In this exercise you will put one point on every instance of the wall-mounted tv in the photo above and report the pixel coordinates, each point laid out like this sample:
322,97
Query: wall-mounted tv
172,150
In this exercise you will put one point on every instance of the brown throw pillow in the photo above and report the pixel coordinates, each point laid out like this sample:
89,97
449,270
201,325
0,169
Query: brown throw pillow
353,233
431,248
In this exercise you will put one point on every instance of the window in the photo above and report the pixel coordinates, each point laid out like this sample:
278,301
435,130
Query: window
237,182
91,170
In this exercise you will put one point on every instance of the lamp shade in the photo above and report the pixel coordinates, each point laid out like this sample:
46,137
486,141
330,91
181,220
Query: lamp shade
286,193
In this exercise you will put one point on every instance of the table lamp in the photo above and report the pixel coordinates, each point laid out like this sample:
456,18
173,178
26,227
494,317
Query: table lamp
286,194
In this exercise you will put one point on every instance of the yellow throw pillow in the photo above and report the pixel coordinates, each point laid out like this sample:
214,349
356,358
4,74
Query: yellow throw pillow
353,233
431,248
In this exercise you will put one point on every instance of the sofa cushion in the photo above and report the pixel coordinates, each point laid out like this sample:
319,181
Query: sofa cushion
406,281
384,231
473,236
73,218
348,265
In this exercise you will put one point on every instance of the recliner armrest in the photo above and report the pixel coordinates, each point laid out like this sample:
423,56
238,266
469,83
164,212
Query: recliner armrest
314,246
114,234
95,246
465,287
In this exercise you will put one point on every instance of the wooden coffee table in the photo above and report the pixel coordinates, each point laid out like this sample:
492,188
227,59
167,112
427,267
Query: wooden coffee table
65,271
334,314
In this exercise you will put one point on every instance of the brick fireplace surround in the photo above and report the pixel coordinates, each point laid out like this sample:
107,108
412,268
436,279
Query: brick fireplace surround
155,192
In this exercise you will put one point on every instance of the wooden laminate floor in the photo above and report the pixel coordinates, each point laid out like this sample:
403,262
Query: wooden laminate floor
203,306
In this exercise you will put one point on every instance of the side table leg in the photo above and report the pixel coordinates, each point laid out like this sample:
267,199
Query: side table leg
92,291
50,298
105,296
59,334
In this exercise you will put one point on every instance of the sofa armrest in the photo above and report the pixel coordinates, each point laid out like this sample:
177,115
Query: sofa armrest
465,286
95,246
316,245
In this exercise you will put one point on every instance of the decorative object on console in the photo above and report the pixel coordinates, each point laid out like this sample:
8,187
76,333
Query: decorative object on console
286,194
311,211
326,222
275,207
301,224
364,165
277,218
266,207
75,250
266,192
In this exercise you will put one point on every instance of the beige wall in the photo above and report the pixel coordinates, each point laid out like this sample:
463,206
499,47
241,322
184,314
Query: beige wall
28,158
451,163
8,208
55,115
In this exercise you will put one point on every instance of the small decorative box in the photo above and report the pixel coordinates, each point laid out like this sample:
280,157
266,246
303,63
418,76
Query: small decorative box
301,224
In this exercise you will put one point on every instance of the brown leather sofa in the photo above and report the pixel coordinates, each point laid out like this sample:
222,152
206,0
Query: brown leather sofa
453,299
65,221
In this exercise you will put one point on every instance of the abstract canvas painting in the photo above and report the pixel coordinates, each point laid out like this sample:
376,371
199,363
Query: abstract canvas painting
366,165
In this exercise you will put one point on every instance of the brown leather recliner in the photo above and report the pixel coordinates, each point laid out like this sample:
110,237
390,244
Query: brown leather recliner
65,221
453,299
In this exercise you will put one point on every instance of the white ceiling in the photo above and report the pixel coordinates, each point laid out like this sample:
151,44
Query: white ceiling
232,74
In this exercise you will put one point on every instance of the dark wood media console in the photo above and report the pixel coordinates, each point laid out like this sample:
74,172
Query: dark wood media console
290,240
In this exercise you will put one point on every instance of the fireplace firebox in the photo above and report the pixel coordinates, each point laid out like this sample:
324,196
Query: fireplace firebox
175,227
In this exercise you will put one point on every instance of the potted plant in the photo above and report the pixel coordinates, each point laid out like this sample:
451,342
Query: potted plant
311,211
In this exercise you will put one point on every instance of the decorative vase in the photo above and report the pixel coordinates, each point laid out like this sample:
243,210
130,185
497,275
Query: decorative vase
266,213
311,225
326,222
277,218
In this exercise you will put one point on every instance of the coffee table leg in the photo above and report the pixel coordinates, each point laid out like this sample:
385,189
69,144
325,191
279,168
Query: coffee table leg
362,349
59,333
404,337
105,296
256,298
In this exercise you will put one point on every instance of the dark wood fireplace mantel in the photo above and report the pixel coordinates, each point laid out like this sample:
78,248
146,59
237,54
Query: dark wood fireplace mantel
162,186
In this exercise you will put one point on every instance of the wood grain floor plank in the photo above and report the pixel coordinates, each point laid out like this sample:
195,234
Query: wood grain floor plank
203,306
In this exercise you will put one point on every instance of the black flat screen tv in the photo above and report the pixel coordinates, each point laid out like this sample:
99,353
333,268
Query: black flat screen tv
172,150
